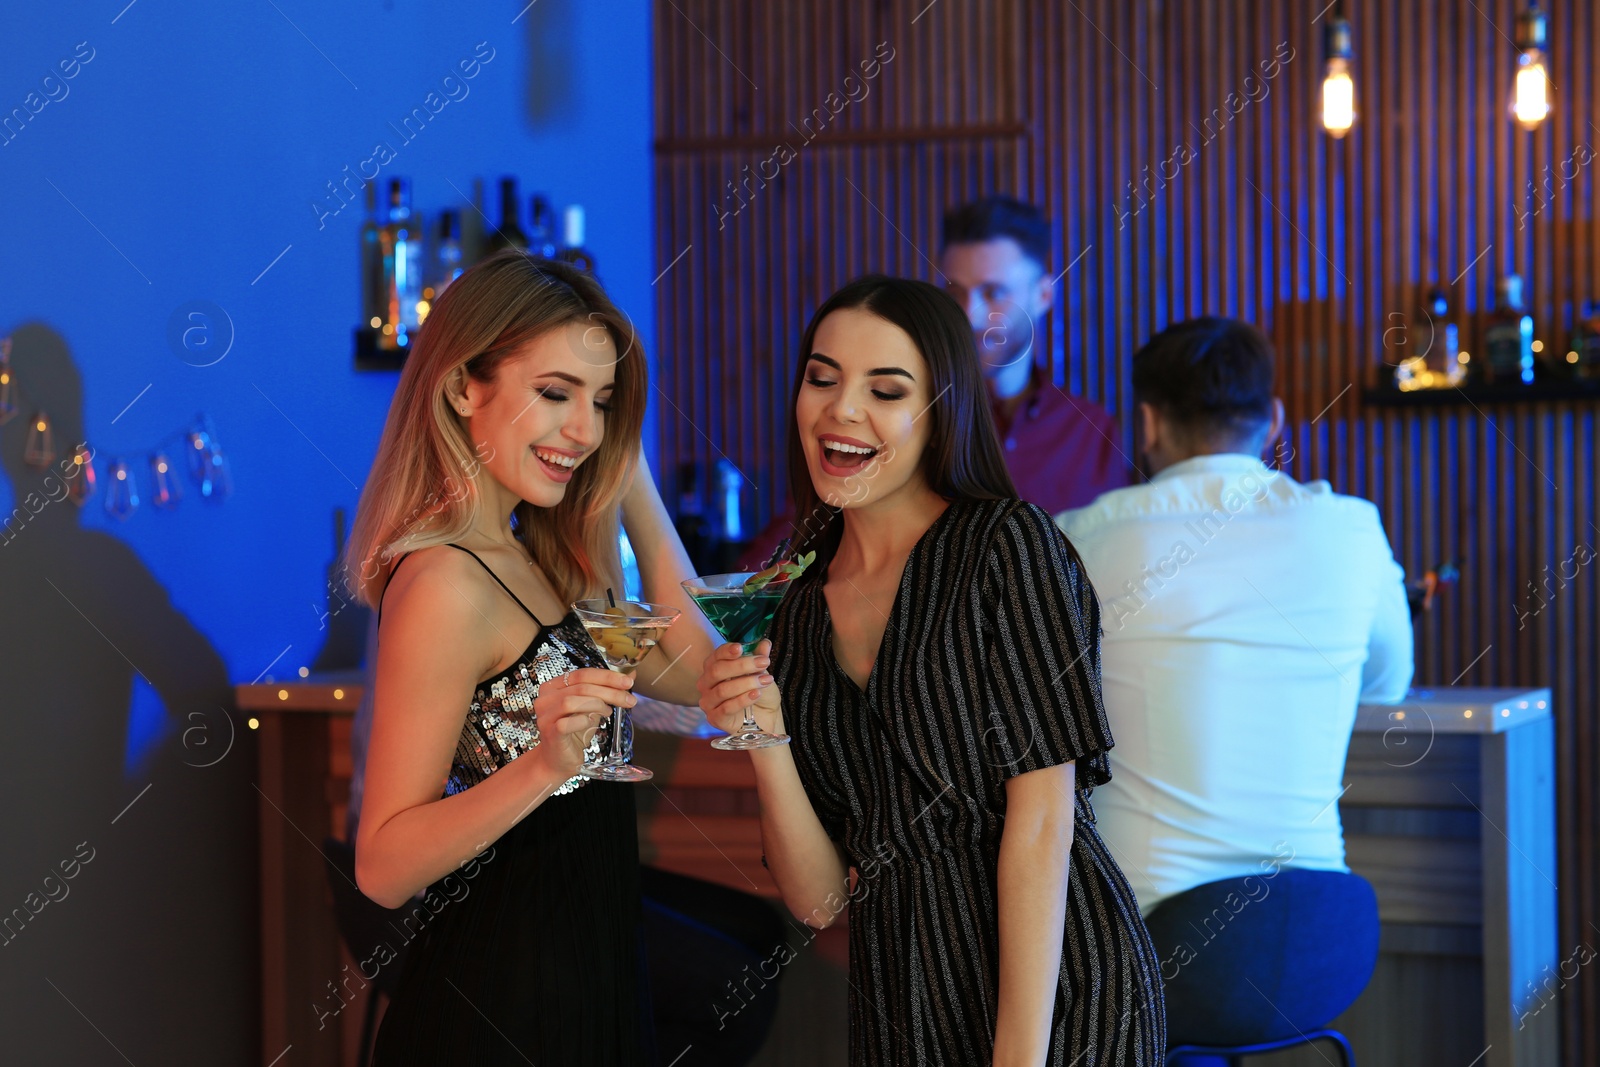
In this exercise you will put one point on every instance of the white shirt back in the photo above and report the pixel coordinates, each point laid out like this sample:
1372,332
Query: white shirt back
1244,616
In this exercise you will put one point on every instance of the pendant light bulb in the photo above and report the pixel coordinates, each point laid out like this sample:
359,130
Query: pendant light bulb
1530,91
1338,87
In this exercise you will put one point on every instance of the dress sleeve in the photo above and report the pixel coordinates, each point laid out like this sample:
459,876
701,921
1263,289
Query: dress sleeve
1043,653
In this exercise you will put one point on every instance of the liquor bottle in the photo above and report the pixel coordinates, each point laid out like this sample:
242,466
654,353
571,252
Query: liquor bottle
731,526
371,264
693,530
731,529
345,620
473,237
1444,351
400,240
447,253
1508,339
1582,362
572,250
1437,364
542,227
510,234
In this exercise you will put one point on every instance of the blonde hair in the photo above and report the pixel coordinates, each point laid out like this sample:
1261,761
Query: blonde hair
422,490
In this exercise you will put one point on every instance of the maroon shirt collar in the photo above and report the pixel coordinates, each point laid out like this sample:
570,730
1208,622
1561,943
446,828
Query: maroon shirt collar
1028,408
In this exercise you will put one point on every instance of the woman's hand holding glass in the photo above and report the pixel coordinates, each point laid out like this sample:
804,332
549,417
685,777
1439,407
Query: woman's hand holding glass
568,709
731,683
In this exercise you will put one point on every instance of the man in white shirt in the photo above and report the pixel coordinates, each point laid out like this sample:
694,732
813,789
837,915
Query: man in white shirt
1244,615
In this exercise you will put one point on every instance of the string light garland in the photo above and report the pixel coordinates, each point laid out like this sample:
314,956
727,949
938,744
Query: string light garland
195,446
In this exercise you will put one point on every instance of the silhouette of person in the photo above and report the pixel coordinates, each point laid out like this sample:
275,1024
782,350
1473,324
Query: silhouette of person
127,915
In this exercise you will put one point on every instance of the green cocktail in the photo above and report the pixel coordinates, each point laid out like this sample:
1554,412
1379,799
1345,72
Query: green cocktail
741,617
741,607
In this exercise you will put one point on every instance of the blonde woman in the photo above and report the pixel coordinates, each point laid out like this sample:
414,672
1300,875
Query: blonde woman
511,445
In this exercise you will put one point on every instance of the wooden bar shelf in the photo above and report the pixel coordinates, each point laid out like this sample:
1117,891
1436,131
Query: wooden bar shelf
1538,392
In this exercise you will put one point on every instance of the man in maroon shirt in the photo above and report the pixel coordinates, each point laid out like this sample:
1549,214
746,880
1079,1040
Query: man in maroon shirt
1061,450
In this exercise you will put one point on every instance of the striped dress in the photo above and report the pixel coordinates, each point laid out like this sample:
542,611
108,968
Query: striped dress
989,668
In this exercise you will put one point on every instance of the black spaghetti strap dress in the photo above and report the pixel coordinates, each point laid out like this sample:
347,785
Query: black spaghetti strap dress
532,952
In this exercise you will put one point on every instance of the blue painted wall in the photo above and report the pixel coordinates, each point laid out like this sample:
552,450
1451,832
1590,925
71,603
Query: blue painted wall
182,162
192,148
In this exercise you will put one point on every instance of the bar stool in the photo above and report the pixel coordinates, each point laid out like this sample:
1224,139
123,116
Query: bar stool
1263,962
1185,1055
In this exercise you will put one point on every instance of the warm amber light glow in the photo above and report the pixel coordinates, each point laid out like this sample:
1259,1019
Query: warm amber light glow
253,722
1338,98
1414,373
1530,101
338,694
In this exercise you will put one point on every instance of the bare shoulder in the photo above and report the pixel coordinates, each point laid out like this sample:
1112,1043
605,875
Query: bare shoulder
439,592
433,645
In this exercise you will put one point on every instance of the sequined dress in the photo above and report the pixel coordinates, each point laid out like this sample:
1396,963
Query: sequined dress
532,953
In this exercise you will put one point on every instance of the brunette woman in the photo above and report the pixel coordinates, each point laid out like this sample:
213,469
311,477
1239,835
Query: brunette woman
512,441
938,669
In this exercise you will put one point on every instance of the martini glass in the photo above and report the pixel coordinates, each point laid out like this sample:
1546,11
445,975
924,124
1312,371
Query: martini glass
742,617
624,632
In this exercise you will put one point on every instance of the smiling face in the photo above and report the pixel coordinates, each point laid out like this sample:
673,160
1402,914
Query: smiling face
545,413
861,411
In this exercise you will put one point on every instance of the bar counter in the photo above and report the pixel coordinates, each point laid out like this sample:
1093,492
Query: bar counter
1449,810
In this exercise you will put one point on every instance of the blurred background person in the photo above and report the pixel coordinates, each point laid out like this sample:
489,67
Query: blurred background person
1245,617
1060,450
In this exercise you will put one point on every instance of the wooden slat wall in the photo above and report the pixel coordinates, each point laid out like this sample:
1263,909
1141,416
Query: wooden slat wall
1327,245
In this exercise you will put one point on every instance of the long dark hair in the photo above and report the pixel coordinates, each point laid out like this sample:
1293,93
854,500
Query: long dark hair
962,461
